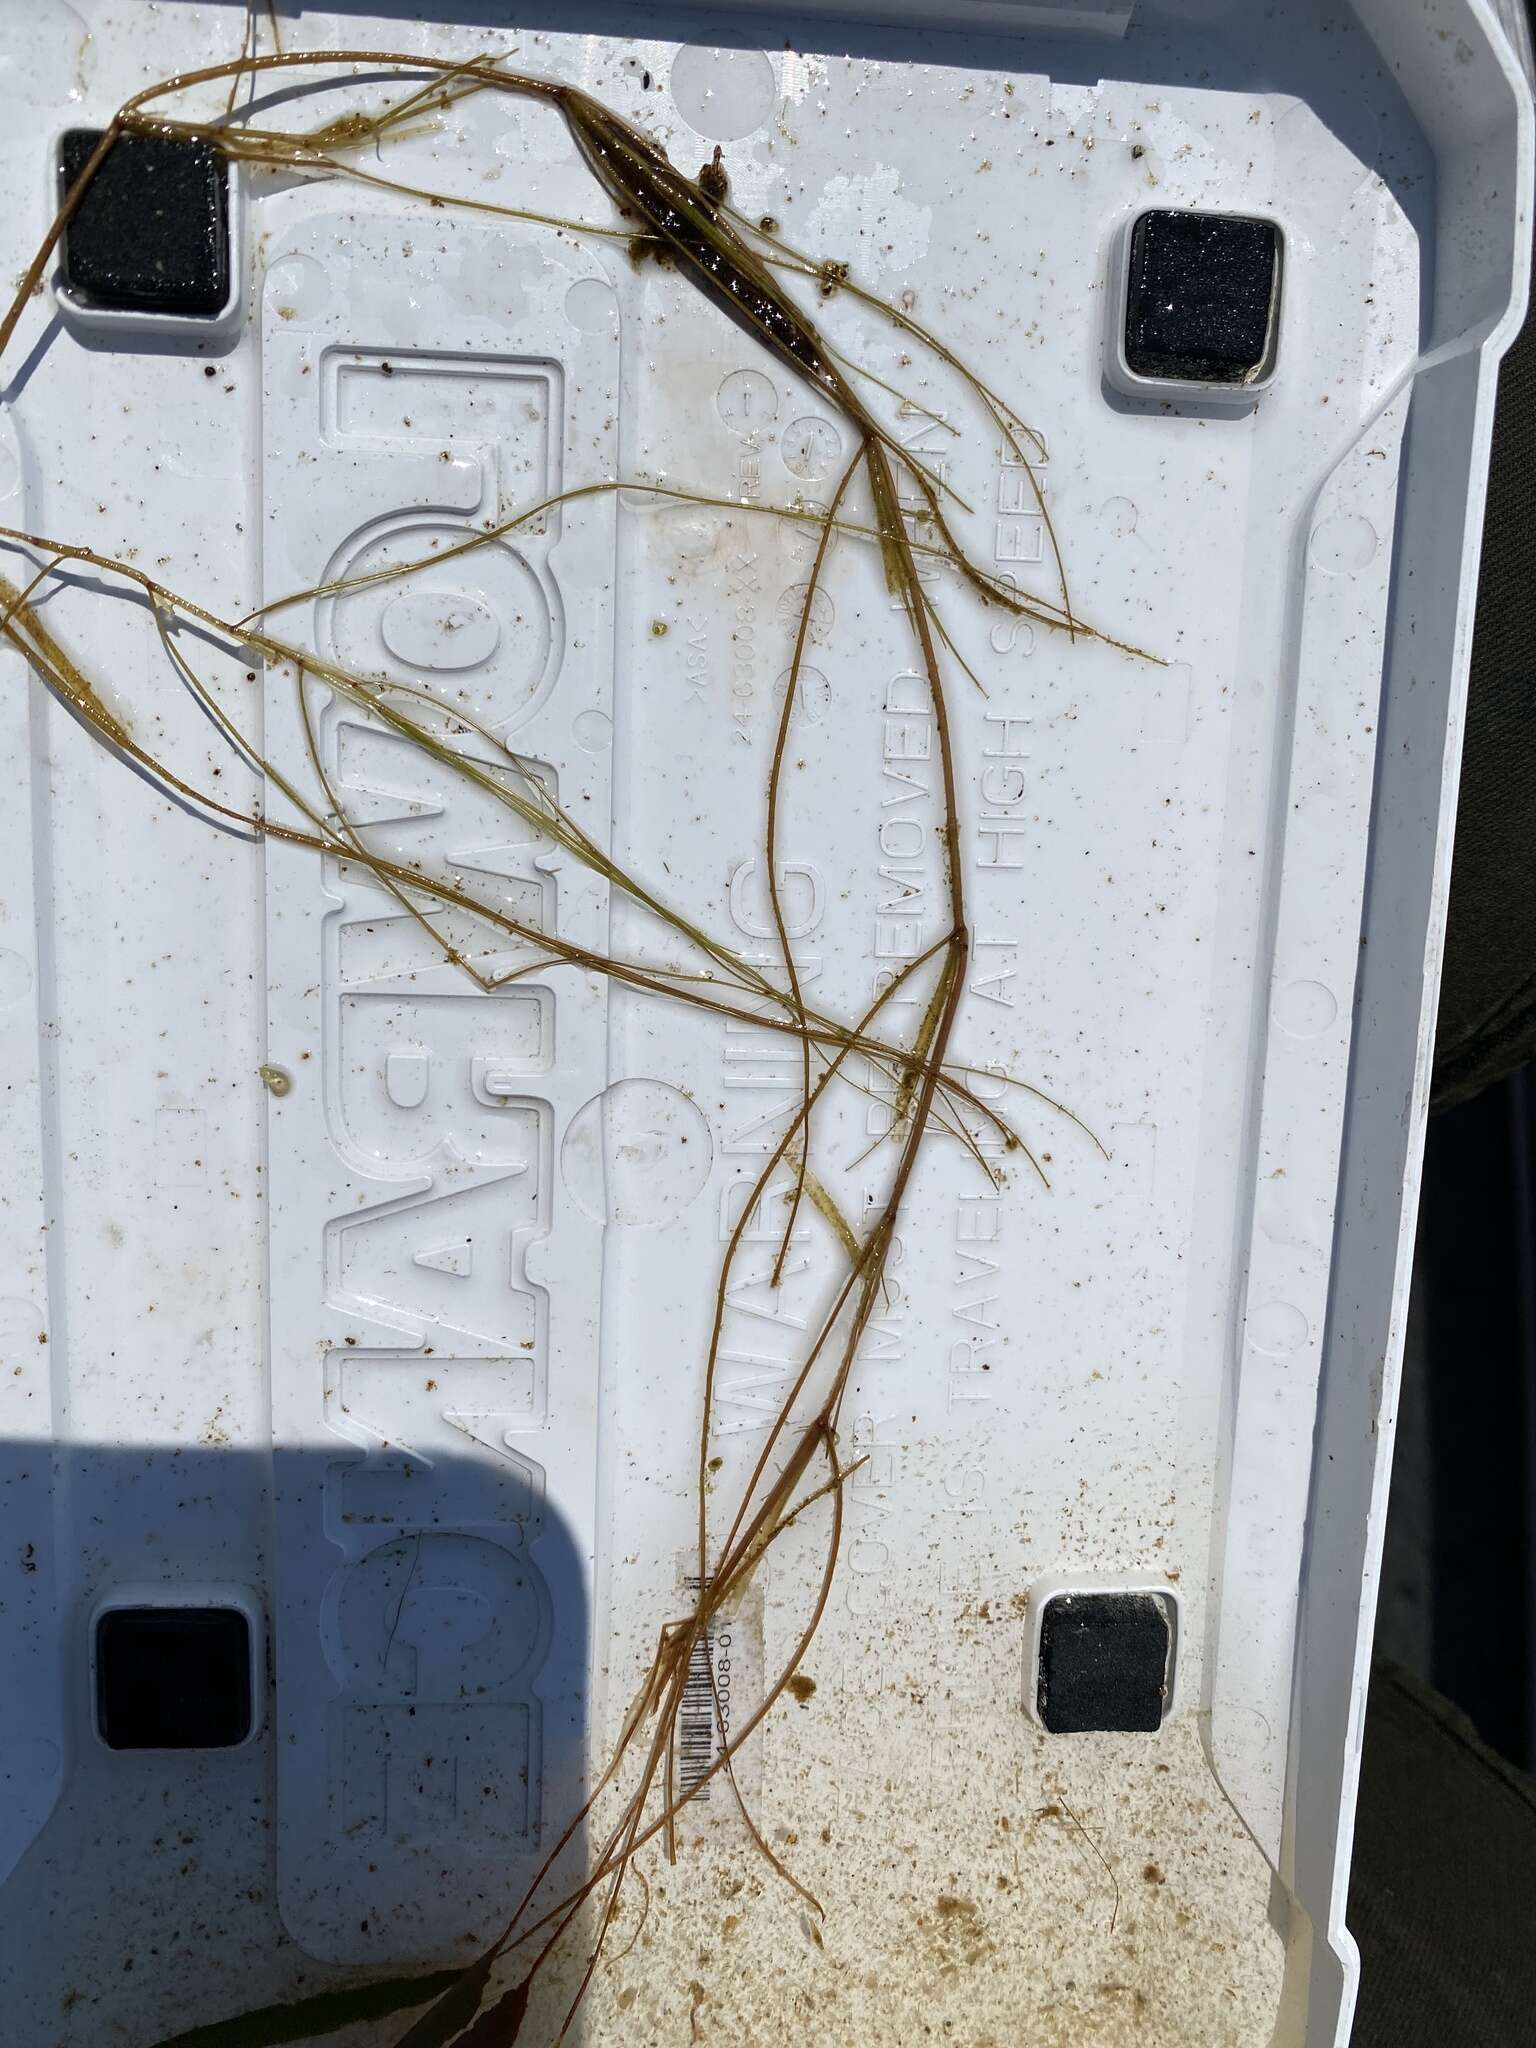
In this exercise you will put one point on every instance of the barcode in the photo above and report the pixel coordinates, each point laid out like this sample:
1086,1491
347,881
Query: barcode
696,1722
723,1678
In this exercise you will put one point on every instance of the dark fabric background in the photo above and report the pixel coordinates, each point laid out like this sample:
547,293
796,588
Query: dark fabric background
1443,1901
1488,994
1443,1890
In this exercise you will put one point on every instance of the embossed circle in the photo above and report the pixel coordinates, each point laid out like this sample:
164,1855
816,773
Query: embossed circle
298,288
812,447
448,632
1344,544
590,305
15,977
813,695
748,403
21,1332
1277,1328
823,611
476,628
723,94
1120,516
639,1153
1305,1009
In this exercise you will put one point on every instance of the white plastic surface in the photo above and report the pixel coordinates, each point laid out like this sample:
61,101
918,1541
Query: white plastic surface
411,1347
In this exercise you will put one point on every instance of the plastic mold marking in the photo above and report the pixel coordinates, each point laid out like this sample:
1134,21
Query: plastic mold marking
419,1226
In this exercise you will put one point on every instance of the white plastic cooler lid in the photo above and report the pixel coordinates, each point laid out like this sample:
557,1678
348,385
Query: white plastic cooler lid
402,1357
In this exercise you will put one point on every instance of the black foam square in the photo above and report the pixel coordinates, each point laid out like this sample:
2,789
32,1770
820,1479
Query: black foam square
151,233
1202,297
173,1677
1104,1663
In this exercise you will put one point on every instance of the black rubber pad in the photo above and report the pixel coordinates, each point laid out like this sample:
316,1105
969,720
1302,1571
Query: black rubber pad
173,1677
151,234
1202,297
1104,1663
